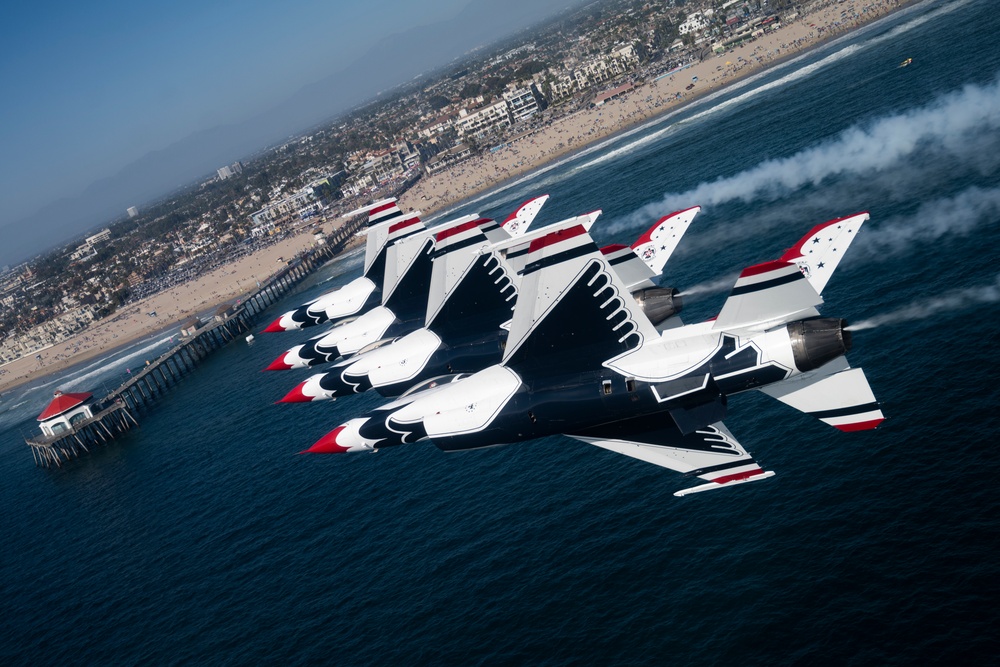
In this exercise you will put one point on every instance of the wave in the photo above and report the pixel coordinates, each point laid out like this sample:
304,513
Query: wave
104,365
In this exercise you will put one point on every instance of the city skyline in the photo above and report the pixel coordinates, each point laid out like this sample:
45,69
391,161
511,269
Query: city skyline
101,89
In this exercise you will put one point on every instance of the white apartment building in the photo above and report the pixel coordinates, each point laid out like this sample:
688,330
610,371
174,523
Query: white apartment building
438,126
231,170
484,120
522,103
695,22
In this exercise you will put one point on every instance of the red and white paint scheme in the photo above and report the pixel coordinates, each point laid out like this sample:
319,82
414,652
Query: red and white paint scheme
583,360
659,242
64,412
386,225
517,223
474,342
402,255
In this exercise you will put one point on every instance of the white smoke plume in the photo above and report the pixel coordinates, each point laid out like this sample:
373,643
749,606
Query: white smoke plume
710,287
961,299
954,126
960,215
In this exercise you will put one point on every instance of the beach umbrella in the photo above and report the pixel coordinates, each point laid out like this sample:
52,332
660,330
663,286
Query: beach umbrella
694,78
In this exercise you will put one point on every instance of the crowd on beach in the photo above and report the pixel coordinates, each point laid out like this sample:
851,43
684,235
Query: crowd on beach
546,142
573,131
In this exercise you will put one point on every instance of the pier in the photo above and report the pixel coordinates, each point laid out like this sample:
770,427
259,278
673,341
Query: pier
119,410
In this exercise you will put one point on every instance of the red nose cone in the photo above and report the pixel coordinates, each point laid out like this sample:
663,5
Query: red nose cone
296,395
274,326
327,444
279,364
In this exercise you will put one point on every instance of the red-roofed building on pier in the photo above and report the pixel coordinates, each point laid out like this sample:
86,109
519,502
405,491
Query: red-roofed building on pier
64,412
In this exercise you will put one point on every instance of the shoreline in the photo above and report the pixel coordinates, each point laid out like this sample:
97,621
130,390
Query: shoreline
173,308
666,94
560,139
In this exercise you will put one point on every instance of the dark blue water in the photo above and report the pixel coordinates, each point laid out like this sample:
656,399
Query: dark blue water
202,538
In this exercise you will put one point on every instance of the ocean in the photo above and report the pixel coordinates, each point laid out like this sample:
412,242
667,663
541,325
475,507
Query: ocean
203,538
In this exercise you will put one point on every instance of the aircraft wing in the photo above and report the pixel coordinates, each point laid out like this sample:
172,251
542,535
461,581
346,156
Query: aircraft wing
710,453
835,393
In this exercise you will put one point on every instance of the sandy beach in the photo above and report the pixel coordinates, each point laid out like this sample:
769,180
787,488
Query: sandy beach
654,98
172,308
570,133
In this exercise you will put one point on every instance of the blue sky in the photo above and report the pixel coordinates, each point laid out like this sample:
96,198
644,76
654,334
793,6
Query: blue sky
89,87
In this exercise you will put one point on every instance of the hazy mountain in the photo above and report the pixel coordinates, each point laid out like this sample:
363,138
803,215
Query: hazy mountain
396,58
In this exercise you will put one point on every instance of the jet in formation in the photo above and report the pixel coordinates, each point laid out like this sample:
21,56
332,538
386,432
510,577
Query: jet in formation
473,289
528,335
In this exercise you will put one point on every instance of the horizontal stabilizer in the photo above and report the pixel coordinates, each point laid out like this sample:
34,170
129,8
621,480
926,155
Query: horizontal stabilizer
819,252
632,270
515,251
836,394
711,452
766,295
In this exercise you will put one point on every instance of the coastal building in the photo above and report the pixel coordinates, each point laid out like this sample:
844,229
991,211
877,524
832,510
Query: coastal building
132,211
695,22
99,237
613,94
522,103
46,334
86,250
303,203
447,158
484,120
190,328
229,171
438,126
64,412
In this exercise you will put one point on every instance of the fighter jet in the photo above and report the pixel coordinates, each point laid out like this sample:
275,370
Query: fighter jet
386,225
473,292
406,288
582,359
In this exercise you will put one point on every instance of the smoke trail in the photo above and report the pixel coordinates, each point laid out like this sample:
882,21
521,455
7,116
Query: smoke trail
960,215
710,287
954,125
956,300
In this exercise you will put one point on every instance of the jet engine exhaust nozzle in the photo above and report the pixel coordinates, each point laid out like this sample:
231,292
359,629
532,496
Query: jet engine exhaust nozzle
659,303
815,342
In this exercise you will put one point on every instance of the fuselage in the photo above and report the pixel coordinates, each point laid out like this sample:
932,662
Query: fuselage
503,405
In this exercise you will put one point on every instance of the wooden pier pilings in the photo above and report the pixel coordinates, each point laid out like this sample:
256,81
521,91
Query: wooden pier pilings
120,407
